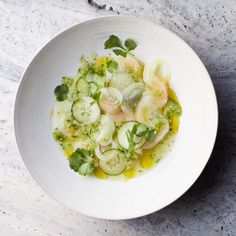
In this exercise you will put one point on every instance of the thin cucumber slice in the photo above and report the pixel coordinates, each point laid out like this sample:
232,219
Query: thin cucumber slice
85,110
121,80
93,88
122,135
83,86
97,79
114,162
87,88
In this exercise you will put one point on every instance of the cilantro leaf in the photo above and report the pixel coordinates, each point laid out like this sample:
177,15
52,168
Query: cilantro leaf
112,66
120,52
130,44
81,161
113,42
75,161
61,92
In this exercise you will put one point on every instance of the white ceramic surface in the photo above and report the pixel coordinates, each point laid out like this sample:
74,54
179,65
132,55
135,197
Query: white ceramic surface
113,199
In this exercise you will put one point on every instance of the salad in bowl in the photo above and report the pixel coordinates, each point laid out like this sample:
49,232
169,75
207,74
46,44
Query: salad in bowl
117,116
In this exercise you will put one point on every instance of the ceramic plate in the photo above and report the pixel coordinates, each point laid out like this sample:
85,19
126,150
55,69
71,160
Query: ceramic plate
151,191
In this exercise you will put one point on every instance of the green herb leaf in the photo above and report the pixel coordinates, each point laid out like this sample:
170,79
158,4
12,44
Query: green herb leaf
141,130
81,161
134,129
96,96
120,52
75,161
61,92
150,135
130,44
113,42
112,66
132,144
130,136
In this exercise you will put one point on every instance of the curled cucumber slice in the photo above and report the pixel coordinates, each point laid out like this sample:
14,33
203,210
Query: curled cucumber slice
87,88
85,110
114,162
104,137
106,131
97,79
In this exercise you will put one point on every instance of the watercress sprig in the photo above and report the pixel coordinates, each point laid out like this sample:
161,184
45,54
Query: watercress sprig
143,132
113,42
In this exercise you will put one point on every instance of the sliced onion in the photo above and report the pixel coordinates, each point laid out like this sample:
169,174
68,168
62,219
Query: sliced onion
131,96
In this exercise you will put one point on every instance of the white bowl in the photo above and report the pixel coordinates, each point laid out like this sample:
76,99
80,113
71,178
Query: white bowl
165,182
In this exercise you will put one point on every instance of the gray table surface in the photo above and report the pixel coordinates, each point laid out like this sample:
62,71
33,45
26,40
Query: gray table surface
209,207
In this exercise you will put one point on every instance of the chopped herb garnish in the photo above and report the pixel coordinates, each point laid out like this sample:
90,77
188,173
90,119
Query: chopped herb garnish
172,108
